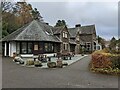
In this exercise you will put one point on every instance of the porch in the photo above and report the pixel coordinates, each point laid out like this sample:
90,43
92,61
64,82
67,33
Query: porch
30,48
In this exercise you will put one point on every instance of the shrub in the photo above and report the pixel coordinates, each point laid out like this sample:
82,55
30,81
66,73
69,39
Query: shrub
29,62
115,62
37,63
105,62
51,64
59,63
100,60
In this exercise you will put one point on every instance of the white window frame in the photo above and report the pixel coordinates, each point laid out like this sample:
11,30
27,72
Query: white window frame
65,34
65,45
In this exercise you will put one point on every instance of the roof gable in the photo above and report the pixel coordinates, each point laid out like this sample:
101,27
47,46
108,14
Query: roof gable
58,30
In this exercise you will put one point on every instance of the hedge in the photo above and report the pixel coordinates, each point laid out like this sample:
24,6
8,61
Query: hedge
103,61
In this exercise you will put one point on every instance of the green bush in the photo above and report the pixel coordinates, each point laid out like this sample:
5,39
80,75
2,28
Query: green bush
115,62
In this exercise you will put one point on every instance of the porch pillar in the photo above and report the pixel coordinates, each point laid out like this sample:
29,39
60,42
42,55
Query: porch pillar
9,49
5,49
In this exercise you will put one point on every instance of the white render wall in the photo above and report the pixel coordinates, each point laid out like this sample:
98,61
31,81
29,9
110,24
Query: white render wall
12,48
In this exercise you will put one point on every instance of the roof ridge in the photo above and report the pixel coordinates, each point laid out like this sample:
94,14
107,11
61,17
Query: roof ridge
88,25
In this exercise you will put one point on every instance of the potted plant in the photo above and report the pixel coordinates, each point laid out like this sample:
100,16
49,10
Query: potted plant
37,63
51,64
29,62
59,63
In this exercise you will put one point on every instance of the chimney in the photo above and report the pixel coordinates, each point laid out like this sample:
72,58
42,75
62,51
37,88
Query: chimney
78,25
47,23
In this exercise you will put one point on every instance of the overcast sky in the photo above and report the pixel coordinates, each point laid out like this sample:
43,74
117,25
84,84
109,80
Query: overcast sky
103,14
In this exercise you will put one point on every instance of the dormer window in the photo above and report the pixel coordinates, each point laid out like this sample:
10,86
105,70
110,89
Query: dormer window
65,34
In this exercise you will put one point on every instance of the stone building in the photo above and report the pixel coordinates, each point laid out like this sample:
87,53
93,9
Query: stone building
40,38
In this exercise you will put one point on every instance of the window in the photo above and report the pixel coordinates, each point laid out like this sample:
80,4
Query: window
24,47
65,46
48,47
98,47
94,46
88,46
40,47
30,48
36,47
65,34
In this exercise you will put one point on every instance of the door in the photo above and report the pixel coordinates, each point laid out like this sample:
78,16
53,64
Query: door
7,49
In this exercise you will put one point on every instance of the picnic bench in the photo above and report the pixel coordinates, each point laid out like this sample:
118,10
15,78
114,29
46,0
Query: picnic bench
65,55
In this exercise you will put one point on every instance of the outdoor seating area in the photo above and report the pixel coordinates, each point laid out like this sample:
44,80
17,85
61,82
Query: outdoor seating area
65,55
42,61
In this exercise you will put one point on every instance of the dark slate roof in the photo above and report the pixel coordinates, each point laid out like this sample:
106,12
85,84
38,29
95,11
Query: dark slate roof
85,39
13,35
72,41
46,28
90,29
73,32
57,30
34,31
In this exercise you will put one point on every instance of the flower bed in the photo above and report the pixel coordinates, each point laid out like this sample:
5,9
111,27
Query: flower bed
105,62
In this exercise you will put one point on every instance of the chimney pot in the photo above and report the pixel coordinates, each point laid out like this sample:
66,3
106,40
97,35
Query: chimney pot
78,25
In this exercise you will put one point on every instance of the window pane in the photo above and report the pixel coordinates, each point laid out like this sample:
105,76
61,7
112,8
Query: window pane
63,34
40,47
51,47
48,47
24,47
64,46
35,47
30,48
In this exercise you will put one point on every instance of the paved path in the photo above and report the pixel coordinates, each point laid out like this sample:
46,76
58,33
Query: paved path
76,75
53,59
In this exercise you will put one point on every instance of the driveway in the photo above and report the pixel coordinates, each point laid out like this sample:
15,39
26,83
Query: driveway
76,75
